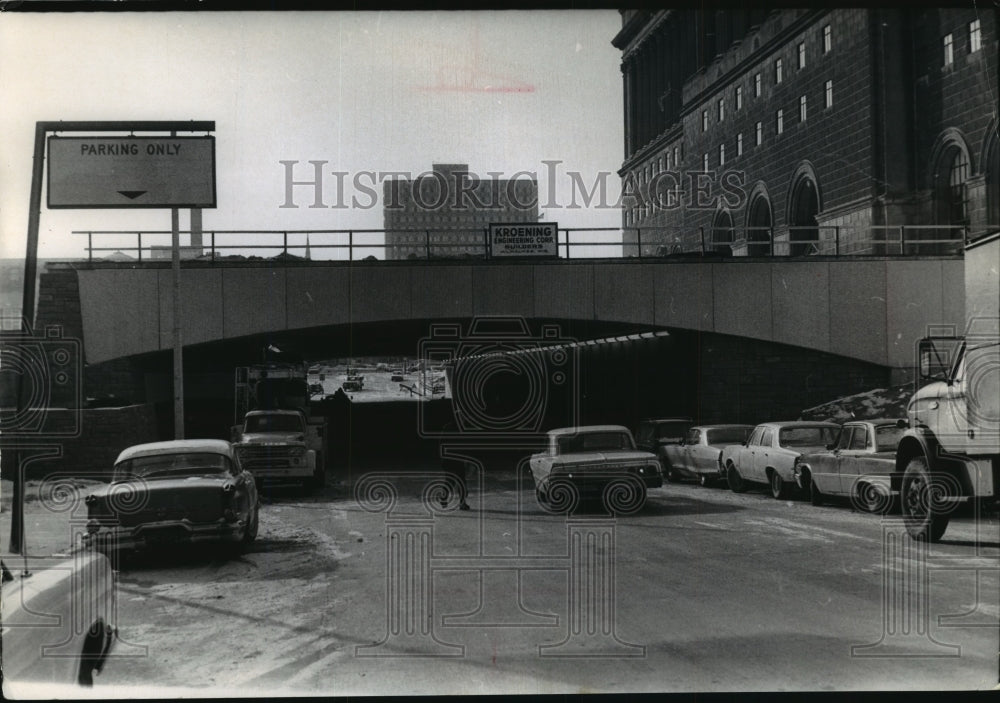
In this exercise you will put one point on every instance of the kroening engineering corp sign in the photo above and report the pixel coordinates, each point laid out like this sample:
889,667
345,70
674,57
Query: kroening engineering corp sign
534,239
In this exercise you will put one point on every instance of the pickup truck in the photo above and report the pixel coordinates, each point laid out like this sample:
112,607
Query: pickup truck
595,460
280,446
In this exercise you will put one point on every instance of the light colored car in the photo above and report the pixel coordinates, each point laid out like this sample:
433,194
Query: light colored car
192,490
594,460
769,454
58,621
697,456
858,465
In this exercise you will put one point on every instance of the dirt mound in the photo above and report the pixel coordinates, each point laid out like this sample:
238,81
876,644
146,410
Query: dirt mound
877,403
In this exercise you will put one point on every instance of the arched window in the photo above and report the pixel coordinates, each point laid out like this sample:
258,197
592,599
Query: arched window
804,229
723,233
954,193
759,224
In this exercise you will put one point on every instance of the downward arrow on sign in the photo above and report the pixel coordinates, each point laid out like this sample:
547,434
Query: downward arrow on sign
132,194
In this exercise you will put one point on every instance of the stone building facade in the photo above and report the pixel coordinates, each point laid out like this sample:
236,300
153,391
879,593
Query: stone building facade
847,130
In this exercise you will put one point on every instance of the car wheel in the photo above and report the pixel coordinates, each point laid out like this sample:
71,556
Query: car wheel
735,481
251,533
919,491
816,496
778,489
670,474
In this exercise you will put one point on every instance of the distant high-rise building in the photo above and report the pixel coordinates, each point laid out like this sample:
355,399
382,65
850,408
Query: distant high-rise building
447,212
837,127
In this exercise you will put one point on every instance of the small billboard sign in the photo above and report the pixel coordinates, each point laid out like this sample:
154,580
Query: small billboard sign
524,239
131,172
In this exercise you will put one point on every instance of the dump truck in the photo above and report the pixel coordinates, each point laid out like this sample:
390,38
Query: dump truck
951,453
277,439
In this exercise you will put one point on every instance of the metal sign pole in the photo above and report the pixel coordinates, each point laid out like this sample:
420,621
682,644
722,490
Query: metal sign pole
178,342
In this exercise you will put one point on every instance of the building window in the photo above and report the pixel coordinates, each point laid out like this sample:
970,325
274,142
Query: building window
704,163
722,109
739,97
722,155
739,144
704,120
949,50
677,162
802,55
802,108
958,201
828,93
827,39
777,70
975,37
756,85
780,122
759,134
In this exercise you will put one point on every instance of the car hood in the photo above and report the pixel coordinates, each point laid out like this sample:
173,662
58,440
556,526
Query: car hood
271,438
605,457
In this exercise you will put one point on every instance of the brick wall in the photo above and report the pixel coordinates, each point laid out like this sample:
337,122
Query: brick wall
104,433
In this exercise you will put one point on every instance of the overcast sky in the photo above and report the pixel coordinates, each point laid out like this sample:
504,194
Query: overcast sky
372,92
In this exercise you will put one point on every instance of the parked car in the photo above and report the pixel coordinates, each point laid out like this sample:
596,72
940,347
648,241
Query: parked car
58,621
857,465
595,460
191,490
654,434
697,456
770,452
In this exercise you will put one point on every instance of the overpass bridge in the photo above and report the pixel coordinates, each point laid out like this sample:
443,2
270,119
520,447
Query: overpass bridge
867,308
751,338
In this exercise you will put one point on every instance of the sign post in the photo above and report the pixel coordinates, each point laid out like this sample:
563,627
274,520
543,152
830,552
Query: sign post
129,172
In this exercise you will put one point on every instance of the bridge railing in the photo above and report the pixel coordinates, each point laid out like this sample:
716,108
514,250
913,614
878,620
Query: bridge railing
572,243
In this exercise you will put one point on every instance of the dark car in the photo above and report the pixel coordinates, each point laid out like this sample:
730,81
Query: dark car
858,465
174,492
654,434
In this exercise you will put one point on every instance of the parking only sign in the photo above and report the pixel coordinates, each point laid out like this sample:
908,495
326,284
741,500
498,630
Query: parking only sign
131,172
534,239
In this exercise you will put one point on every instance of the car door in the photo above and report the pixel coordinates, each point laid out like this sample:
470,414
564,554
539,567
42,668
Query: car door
851,457
762,454
703,459
748,453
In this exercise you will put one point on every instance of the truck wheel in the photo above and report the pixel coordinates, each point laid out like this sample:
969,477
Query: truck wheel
919,491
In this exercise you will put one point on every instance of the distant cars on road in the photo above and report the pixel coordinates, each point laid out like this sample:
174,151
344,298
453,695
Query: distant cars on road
769,454
697,455
857,465
594,461
179,491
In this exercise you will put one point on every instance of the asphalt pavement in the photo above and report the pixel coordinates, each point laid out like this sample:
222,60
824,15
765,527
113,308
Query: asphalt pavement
375,589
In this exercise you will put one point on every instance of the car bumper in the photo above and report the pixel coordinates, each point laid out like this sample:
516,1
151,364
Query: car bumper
164,533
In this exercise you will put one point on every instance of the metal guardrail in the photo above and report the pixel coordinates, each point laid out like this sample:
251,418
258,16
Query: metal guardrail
573,243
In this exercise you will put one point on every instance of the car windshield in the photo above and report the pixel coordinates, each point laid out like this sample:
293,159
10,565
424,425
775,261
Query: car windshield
807,436
594,442
729,435
172,465
274,423
887,437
